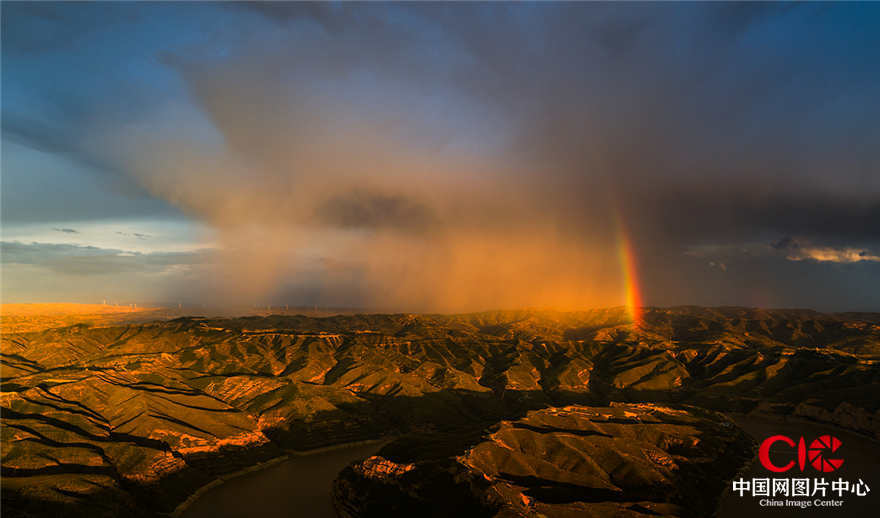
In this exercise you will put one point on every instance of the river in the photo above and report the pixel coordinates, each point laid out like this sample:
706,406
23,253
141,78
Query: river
299,486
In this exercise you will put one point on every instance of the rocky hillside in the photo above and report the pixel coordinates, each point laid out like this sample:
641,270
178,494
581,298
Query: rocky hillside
626,460
137,416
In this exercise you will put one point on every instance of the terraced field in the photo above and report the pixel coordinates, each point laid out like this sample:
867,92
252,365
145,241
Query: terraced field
133,418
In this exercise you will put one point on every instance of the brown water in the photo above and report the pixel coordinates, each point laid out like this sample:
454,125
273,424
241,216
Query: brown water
861,460
297,487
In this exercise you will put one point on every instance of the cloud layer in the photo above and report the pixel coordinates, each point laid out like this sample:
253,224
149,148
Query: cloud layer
439,157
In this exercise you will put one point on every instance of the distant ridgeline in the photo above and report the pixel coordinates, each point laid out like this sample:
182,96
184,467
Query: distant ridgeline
98,421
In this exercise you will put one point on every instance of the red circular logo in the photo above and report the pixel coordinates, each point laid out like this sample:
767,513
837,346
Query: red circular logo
819,448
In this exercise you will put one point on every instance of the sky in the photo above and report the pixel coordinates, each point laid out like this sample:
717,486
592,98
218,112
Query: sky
442,157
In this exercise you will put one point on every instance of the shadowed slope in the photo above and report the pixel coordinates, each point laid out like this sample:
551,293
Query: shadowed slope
627,460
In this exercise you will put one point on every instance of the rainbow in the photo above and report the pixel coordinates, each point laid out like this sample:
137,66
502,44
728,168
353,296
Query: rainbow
634,306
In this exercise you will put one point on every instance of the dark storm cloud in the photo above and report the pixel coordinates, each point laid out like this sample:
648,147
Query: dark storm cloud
463,137
732,213
371,210
39,135
89,260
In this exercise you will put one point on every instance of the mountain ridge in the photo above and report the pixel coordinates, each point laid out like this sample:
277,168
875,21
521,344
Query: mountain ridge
147,412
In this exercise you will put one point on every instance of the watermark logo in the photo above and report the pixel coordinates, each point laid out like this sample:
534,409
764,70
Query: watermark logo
823,454
819,454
